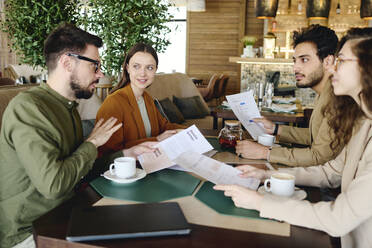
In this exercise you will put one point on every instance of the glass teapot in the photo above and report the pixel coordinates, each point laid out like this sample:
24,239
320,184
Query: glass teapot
230,134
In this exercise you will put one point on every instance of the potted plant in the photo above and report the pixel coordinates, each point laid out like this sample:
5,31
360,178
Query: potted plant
248,42
121,24
28,23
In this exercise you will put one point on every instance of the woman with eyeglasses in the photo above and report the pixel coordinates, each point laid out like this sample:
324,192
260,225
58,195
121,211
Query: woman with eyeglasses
133,106
349,216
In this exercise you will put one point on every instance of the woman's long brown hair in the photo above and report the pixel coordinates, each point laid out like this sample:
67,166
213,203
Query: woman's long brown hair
343,111
139,47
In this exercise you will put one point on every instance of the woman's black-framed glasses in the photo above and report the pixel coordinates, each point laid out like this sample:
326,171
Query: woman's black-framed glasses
95,62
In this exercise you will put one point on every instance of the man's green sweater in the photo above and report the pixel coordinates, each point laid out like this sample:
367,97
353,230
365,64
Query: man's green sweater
42,157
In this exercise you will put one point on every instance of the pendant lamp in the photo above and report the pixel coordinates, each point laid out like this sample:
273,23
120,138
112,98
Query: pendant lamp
318,9
366,9
196,5
266,8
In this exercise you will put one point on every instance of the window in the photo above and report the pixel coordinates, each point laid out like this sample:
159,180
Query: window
174,58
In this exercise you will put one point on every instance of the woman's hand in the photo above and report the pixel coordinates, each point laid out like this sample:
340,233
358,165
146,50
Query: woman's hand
137,150
251,171
242,197
166,134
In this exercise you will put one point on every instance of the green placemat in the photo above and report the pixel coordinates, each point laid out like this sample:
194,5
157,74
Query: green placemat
155,187
214,142
222,204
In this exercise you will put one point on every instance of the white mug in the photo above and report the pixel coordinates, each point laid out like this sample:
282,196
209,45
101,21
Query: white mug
281,184
266,139
123,167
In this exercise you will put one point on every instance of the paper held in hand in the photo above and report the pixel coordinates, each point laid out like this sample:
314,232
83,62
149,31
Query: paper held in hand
214,171
189,139
245,109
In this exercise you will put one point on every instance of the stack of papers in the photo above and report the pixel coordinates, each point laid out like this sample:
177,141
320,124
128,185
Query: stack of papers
284,100
185,150
189,139
215,171
285,108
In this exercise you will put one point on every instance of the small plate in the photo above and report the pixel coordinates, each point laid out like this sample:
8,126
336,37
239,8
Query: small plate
139,175
298,194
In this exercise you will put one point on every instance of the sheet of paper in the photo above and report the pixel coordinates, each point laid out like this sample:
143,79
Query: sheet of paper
180,168
189,139
245,109
214,171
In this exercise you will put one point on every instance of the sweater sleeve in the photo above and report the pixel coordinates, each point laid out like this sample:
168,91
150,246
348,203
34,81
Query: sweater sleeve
318,152
296,135
38,147
351,208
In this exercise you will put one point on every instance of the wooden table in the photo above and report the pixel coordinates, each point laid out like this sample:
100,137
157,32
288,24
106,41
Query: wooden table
50,231
227,114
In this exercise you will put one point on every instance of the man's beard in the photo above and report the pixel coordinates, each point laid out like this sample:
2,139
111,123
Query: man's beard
80,92
314,78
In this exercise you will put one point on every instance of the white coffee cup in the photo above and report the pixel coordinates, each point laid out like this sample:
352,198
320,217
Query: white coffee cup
266,139
281,184
123,167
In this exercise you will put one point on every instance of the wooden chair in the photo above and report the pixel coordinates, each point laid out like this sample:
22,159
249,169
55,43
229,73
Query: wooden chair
103,90
214,90
224,79
207,91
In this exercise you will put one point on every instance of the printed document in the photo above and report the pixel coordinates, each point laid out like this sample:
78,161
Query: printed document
214,171
189,139
245,109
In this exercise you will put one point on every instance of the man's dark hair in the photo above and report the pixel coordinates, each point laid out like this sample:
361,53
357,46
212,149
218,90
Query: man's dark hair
67,38
325,39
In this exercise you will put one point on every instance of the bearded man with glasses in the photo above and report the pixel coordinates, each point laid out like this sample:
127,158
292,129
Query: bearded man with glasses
42,151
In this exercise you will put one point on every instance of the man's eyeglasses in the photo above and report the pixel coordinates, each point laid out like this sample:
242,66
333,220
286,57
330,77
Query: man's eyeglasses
339,61
96,62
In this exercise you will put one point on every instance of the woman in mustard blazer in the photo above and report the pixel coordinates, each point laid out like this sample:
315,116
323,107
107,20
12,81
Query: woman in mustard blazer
133,106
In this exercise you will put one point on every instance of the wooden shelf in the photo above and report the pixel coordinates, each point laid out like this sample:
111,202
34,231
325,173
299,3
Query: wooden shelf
260,61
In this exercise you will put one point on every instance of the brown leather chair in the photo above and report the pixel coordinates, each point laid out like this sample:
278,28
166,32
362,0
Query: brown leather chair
207,91
224,79
214,90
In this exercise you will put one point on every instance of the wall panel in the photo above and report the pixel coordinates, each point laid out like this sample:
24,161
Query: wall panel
212,37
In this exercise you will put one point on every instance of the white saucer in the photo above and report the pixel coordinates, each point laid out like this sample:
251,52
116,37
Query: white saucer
139,175
299,194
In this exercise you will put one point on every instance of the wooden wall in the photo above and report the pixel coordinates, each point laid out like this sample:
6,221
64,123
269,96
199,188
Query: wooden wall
253,26
212,37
